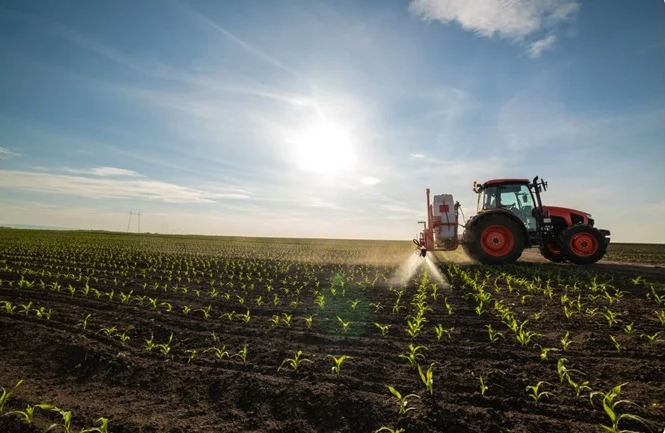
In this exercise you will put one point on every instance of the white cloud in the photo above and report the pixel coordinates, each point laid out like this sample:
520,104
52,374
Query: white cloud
370,181
6,153
417,155
105,172
508,19
536,48
110,188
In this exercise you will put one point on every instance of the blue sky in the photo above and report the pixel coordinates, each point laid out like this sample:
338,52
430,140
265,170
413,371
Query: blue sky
202,115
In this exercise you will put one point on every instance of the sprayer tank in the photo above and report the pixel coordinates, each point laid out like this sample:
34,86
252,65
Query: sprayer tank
445,221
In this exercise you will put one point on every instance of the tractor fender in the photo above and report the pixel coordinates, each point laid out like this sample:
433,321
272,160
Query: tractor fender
484,214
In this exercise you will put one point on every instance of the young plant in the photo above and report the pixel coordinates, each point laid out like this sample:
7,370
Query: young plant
242,354
483,388
545,350
616,343
294,362
338,362
653,339
192,355
578,387
220,353
7,393
535,394
609,406
413,355
382,328
427,378
494,335
308,321
286,318
628,329
345,325
402,401
389,430
565,340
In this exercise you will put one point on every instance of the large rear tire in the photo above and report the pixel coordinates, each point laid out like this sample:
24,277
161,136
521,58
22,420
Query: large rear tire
552,253
494,240
582,244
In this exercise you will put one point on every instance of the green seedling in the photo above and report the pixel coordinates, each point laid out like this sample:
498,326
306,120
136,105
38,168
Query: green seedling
389,430
308,321
545,350
616,343
382,328
220,353
566,340
274,320
578,387
402,401
294,362
242,353
427,378
535,394
345,325
192,354
628,329
286,318
562,370
609,405
413,355
494,335
6,393
653,339
338,362
483,388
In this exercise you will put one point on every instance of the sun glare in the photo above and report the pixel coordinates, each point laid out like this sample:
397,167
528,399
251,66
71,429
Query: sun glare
324,148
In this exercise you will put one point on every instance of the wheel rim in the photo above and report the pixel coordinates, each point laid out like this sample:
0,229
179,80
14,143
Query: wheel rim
497,240
584,244
553,249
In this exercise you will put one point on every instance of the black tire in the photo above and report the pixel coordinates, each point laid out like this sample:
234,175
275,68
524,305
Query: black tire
582,244
494,239
465,242
552,253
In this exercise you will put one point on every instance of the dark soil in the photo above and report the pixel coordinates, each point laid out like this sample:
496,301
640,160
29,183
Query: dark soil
94,375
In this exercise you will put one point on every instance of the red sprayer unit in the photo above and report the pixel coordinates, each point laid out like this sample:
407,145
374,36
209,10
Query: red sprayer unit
440,230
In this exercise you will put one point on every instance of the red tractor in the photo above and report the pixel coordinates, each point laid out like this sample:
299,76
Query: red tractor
510,218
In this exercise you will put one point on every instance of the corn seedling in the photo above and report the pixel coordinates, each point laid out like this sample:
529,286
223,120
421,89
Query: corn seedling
413,355
616,343
578,387
26,415
308,321
286,318
609,406
165,348
535,394
245,317
274,320
150,343
214,337
345,325
427,378
242,353
483,388
220,353
192,355
186,309
565,340
389,430
545,350
7,393
103,427
628,329
562,370
110,331
402,401
494,335
611,317
338,362
382,328
294,362
661,316
123,337
653,339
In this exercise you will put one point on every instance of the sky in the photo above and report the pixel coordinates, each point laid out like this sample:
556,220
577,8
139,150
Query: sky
313,118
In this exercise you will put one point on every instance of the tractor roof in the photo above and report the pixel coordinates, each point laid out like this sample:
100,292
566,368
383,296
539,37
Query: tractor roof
503,181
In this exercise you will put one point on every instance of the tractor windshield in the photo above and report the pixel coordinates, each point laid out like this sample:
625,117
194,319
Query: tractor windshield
514,198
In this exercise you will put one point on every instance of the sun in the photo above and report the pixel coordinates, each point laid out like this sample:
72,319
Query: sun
324,148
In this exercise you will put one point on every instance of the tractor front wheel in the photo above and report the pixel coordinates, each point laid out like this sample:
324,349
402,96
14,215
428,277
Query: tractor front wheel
552,253
494,240
582,244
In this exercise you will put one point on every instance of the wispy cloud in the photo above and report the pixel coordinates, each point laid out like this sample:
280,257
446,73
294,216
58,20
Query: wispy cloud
102,188
6,153
537,48
105,172
513,20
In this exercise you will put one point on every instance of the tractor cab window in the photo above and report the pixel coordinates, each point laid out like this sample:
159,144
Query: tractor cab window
488,198
518,200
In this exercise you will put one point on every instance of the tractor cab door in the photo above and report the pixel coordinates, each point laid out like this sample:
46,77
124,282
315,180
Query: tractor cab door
518,200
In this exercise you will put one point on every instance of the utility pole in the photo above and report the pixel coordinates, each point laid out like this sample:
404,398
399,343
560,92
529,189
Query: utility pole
130,220
139,215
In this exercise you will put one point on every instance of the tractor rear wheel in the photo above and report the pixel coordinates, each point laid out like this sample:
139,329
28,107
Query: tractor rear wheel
582,244
552,253
495,239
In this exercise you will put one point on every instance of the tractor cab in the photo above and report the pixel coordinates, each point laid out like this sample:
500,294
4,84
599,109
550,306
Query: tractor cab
513,195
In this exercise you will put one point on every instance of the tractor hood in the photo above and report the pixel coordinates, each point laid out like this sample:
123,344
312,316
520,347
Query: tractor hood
572,216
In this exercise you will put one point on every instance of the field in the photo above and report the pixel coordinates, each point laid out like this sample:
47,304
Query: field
149,333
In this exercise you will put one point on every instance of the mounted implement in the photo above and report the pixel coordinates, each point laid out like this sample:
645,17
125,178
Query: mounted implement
511,217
